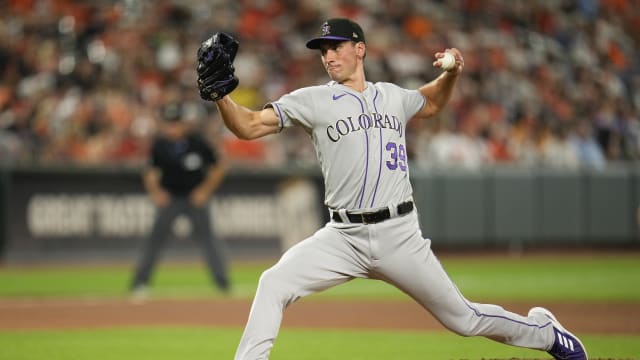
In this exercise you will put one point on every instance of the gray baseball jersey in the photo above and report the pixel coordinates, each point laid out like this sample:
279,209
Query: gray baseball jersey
360,143
359,139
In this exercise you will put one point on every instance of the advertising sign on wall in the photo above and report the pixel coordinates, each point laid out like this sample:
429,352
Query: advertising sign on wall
55,212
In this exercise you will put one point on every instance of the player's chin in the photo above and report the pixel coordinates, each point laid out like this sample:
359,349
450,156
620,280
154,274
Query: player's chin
335,76
332,71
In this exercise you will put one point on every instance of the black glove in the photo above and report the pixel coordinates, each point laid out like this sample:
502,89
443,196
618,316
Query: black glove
215,69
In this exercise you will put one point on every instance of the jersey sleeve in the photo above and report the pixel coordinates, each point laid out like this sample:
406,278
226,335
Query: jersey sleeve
414,101
294,108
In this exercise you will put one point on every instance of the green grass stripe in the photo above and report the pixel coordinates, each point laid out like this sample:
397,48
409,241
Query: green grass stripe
200,343
550,278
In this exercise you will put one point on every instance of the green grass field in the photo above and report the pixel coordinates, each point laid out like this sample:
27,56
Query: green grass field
586,278
198,343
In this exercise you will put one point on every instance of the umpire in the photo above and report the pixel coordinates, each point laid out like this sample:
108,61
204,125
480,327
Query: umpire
182,174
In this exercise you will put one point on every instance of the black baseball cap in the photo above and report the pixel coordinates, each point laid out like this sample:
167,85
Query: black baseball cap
172,112
337,29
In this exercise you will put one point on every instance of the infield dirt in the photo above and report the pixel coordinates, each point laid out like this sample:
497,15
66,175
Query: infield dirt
614,318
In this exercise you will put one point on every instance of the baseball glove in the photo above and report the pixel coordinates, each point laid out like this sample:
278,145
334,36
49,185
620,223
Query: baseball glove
215,69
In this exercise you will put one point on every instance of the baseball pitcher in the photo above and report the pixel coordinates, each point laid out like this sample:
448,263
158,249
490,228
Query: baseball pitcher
358,130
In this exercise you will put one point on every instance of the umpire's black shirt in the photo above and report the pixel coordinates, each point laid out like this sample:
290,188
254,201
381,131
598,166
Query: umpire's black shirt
183,163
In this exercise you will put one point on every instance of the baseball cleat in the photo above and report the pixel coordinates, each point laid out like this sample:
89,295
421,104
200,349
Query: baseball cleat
139,294
566,346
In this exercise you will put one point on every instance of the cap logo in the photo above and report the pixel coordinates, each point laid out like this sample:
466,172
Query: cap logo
326,29
354,35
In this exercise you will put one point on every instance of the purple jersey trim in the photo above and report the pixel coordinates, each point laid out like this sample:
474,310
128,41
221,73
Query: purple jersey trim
424,103
366,169
375,191
277,107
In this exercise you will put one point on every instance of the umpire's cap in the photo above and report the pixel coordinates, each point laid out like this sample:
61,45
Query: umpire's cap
337,29
172,112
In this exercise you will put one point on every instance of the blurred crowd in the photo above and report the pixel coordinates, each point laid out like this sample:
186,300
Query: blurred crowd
546,83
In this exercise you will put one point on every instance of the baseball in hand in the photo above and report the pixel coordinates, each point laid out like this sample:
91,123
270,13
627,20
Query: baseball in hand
448,61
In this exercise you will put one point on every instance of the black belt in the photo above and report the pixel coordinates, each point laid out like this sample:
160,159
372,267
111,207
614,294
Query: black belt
374,216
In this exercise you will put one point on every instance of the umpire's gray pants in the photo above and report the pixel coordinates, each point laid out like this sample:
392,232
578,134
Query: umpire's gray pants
214,252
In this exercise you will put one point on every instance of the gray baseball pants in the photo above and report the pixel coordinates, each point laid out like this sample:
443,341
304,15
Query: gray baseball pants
393,251
213,251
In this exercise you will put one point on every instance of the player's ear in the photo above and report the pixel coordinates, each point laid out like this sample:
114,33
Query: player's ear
361,49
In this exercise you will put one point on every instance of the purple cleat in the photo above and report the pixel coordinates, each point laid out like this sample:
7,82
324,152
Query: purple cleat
566,346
